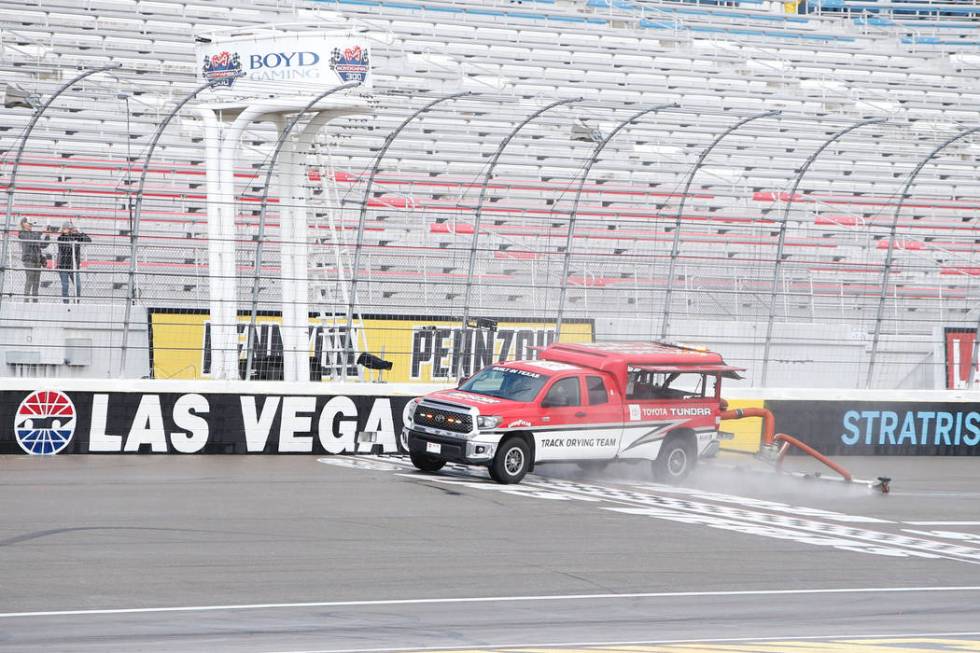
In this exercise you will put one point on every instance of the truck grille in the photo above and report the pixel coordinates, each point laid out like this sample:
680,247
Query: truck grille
447,420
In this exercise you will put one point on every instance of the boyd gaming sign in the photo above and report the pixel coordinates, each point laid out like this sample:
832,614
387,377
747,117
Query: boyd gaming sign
286,64
48,421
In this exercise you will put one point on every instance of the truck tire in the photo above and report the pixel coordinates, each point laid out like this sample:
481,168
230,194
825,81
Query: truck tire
402,442
512,461
676,460
426,463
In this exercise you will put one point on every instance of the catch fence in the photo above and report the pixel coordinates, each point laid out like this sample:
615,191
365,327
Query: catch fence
438,223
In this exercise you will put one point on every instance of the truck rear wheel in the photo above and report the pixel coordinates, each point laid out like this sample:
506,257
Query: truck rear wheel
512,461
676,460
426,463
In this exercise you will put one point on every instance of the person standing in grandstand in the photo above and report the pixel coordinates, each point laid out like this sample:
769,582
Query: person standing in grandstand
70,259
33,257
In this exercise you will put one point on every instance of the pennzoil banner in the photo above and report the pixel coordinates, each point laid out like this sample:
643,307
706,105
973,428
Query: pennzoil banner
421,349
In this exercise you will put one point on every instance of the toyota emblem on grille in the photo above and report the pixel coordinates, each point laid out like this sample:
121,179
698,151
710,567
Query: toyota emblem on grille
440,418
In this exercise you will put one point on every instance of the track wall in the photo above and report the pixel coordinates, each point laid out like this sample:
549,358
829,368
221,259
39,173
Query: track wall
90,416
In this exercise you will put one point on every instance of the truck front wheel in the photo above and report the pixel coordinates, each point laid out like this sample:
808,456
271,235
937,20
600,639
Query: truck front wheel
426,463
512,461
676,460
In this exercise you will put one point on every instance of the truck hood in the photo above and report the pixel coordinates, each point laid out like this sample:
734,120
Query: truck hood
485,404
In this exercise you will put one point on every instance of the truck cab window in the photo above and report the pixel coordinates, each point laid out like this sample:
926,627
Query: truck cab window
645,384
563,393
597,390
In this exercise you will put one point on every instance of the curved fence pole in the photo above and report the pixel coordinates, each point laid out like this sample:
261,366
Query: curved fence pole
570,234
477,221
134,232
359,239
886,273
781,241
676,245
263,208
11,181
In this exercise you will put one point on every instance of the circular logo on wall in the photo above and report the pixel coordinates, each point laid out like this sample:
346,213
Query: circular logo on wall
45,422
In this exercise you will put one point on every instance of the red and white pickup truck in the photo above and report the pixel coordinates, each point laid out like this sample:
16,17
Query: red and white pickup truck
576,403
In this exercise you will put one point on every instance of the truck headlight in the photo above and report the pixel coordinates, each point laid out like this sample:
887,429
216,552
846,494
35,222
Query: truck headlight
408,415
487,421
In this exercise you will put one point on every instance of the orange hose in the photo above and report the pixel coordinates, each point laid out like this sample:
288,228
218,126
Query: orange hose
768,421
769,437
790,440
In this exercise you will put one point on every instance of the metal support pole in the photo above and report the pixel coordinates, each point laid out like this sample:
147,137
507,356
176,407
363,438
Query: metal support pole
886,273
974,353
11,181
477,221
676,245
134,230
570,234
781,241
362,218
263,207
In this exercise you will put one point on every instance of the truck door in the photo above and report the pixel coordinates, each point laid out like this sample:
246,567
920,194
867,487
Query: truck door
604,411
660,401
573,428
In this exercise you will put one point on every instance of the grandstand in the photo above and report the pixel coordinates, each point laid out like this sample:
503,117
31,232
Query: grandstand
824,67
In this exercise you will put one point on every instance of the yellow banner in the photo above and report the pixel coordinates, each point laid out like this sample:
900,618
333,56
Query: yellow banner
748,431
420,349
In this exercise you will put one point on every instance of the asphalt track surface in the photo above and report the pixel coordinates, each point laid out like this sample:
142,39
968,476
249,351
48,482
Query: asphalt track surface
256,554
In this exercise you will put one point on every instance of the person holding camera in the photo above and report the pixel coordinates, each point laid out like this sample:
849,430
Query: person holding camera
33,257
70,259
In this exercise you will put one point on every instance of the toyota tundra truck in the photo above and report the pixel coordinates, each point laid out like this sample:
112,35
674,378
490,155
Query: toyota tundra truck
583,403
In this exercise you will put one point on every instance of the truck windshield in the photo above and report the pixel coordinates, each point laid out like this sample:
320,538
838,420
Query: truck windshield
506,383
